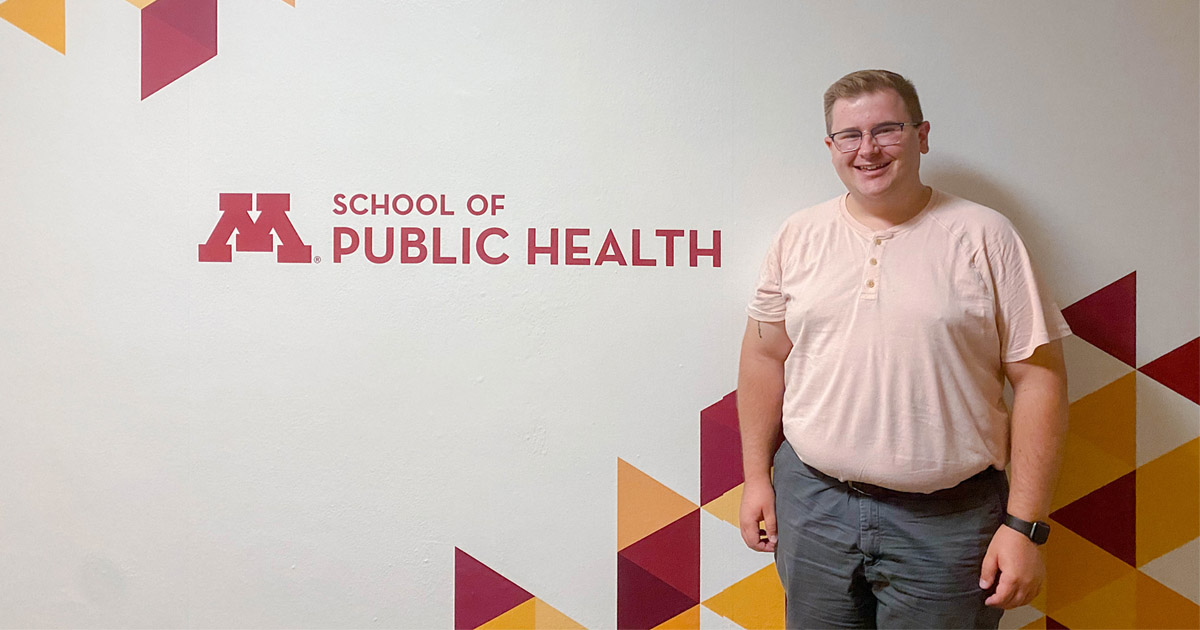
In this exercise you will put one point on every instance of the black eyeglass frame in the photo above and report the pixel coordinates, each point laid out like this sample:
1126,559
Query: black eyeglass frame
872,132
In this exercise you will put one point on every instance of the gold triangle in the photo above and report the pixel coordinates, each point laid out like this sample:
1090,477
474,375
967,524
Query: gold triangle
546,617
754,602
727,506
1168,502
44,19
1108,418
1075,568
644,505
1160,607
1086,467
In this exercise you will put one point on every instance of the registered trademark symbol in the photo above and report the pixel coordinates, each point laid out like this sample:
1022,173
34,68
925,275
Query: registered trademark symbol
316,259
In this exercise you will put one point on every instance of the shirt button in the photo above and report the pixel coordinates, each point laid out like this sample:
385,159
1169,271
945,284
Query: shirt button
870,284
878,241
874,262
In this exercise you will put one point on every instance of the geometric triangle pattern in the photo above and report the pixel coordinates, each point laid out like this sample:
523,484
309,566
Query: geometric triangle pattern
1100,442
1166,420
1168,502
720,449
44,19
1125,514
485,599
1127,505
1179,570
177,35
754,602
725,559
1106,518
644,505
480,593
643,600
686,620
672,554
1178,369
1107,319
658,552
727,506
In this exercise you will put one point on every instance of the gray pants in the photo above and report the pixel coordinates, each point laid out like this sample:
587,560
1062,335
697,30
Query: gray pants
883,559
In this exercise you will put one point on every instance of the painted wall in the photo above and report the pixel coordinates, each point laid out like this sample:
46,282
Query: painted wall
333,444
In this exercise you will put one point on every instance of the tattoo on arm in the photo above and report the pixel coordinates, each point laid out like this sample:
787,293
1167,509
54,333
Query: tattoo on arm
760,330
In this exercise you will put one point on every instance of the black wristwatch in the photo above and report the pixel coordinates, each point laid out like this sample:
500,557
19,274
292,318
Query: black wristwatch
1036,531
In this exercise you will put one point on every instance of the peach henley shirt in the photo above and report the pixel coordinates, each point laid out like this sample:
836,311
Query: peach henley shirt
896,374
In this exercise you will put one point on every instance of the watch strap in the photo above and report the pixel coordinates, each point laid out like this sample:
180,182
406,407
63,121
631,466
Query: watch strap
1037,531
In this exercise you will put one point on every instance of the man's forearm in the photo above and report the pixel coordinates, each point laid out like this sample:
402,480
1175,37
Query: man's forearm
760,403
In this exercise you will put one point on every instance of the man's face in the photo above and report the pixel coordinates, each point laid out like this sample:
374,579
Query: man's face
875,173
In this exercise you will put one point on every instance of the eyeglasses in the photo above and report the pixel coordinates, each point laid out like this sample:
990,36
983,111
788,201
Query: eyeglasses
884,135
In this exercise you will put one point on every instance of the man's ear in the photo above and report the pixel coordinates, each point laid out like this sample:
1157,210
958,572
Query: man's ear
923,136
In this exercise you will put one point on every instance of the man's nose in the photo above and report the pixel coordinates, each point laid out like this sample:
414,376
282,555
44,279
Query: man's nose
867,146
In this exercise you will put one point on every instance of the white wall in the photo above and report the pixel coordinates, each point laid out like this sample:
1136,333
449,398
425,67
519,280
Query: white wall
258,444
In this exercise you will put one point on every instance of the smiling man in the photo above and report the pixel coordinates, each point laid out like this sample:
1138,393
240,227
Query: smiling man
883,326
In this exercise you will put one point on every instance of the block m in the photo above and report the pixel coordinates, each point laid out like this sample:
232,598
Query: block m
255,236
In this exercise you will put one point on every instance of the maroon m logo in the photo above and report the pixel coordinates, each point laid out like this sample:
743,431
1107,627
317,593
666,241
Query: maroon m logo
255,236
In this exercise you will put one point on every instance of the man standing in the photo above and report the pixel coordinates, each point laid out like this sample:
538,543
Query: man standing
881,331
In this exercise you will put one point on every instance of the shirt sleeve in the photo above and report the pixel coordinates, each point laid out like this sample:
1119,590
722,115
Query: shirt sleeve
769,303
1026,317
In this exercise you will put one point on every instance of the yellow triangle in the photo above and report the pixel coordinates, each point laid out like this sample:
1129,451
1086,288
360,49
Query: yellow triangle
727,506
686,620
519,617
291,2
1168,502
1075,568
1085,467
754,602
644,505
1161,607
140,4
546,617
43,19
1110,606
1108,418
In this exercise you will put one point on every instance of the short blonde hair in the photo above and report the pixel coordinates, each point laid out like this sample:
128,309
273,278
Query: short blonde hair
867,81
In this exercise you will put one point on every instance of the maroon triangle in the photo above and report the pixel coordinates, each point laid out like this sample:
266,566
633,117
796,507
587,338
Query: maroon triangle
720,449
672,554
167,54
481,594
1107,319
722,412
1178,369
194,19
644,601
1051,624
1107,517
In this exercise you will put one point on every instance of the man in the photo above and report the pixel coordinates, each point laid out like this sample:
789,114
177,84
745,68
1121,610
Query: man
882,328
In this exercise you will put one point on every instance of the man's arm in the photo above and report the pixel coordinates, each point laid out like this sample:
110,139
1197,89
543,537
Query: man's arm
765,347
1039,428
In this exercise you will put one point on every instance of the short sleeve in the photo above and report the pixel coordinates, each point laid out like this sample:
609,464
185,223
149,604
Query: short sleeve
769,303
1025,316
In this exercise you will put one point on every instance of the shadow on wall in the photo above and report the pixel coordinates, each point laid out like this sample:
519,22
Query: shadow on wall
972,185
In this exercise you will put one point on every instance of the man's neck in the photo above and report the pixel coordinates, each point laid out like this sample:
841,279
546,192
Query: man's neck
886,213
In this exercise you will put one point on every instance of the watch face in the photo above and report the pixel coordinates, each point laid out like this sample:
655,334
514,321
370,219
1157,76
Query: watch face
1039,532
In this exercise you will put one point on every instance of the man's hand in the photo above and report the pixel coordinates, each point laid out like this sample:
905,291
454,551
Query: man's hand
758,505
1019,562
